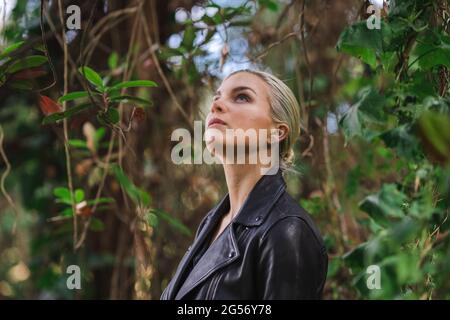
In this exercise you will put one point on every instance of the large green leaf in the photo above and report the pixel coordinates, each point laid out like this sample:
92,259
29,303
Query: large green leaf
172,221
62,193
26,63
403,140
54,117
136,194
361,42
432,51
92,76
385,205
368,109
10,49
73,96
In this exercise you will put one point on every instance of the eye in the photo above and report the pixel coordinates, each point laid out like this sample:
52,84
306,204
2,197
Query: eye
243,96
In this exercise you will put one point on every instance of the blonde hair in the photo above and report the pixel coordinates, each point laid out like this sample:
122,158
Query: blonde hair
284,109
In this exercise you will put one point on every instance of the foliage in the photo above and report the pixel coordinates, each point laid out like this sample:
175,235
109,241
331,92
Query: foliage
409,239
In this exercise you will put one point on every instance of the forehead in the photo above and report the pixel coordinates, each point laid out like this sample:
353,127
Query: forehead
245,79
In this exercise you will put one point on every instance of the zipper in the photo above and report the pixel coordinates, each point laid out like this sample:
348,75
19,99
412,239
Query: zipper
212,289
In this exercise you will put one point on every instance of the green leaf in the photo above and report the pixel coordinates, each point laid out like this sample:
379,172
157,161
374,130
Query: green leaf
24,84
54,117
435,134
133,83
432,51
112,115
385,205
165,53
79,195
137,195
355,257
361,42
368,109
127,99
68,212
26,63
152,219
112,60
404,231
269,4
402,139
98,136
62,193
73,96
92,76
96,224
77,143
10,49
188,37
144,197
100,200
172,221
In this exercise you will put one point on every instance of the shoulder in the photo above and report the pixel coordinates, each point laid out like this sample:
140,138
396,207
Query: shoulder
290,223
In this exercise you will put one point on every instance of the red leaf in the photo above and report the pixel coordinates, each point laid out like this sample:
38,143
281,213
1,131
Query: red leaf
28,74
48,106
139,114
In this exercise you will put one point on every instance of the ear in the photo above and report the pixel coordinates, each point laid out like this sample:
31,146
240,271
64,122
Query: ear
283,131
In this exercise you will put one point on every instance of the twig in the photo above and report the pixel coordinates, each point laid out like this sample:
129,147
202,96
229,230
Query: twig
274,44
66,133
161,73
305,51
2,181
44,42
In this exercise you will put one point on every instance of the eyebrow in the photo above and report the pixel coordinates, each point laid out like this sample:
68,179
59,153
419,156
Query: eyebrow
237,89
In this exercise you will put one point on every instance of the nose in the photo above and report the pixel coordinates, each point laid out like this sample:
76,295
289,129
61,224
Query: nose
217,106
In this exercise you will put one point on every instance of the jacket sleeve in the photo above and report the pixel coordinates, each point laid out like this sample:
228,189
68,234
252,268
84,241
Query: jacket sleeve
292,262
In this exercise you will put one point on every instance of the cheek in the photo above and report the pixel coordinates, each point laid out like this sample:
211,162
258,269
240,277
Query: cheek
251,118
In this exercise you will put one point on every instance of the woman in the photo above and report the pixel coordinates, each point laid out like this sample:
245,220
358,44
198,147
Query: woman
257,243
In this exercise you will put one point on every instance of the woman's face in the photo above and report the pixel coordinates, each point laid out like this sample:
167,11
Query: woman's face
241,102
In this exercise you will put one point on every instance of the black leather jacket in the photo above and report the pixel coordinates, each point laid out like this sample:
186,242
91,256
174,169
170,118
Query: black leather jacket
270,250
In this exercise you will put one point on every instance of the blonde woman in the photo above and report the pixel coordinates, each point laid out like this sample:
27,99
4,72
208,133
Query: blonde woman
257,243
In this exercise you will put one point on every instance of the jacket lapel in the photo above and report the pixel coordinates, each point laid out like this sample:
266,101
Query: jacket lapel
224,250
209,222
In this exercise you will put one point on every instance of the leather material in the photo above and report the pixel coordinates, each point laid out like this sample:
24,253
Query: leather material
270,250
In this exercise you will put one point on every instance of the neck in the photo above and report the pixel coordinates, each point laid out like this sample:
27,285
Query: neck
240,181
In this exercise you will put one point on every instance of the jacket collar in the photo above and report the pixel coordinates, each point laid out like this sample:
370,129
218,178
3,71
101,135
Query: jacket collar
225,250
257,204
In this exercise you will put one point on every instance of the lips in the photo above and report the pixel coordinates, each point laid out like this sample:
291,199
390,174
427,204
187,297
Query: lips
215,121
